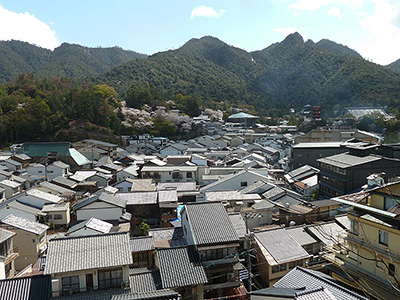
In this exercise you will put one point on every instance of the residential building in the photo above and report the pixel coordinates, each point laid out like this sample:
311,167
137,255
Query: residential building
91,226
97,262
31,239
371,258
57,213
170,173
8,254
277,253
323,135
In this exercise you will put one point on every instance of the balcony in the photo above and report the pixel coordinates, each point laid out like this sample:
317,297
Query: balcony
9,255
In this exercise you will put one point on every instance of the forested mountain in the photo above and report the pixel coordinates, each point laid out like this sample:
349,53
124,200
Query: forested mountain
67,60
394,66
291,73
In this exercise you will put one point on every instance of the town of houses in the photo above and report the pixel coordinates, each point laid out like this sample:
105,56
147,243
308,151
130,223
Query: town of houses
240,212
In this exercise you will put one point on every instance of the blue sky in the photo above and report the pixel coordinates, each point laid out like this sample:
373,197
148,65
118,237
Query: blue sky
371,27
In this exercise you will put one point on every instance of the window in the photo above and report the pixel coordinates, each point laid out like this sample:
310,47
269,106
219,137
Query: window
110,279
392,269
354,227
279,268
243,183
70,285
57,217
139,259
383,237
389,202
295,263
188,174
49,217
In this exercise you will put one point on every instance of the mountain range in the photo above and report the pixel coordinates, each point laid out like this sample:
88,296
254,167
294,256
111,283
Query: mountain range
287,74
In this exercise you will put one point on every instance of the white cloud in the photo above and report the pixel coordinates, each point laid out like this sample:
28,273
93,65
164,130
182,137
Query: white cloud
26,27
383,45
204,11
288,30
335,12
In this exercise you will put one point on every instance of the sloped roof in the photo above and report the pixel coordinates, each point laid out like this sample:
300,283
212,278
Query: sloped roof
104,197
301,235
139,244
300,277
328,233
230,195
346,160
145,281
180,267
24,224
210,223
26,288
238,223
242,115
64,181
42,149
88,252
280,245
43,195
92,223
139,198
169,195
5,234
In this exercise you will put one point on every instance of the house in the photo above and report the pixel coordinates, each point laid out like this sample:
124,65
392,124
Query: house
372,250
91,226
236,181
125,185
55,189
182,271
235,199
128,172
170,173
11,187
207,226
26,288
8,254
305,239
277,252
168,237
12,206
37,198
65,182
173,149
98,262
142,249
57,213
57,168
30,239
185,191
102,206
12,165
87,147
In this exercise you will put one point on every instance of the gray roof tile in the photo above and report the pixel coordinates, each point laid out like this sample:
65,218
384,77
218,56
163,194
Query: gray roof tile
92,223
24,224
142,244
26,288
145,281
88,252
300,277
180,267
165,294
210,223
104,197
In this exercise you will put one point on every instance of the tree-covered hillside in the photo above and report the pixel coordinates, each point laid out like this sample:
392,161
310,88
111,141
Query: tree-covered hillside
288,74
67,60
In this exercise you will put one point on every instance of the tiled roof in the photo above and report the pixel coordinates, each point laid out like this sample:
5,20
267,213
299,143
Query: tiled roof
142,244
258,187
168,195
43,195
97,295
300,277
180,267
165,294
88,252
55,187
210,223
5,234
180,186
104,197
26,288
238,223
263,204
346,160
143,185
64,181
24,224
139,198
145,281
315,294
280,245
230,196
92,223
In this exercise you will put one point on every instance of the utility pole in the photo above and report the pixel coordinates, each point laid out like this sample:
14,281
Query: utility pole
248,242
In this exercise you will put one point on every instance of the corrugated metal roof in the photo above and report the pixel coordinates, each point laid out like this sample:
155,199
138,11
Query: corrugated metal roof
300,235
230,195
24,224
280,245
328,233
42,149
210,223
300,277
242,115
142,244
26,288
88,252
79,159
239,224
180,267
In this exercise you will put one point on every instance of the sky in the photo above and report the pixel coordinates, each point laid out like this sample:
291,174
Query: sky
371,27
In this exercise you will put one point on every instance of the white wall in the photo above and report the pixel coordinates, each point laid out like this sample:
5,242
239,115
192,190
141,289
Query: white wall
99,210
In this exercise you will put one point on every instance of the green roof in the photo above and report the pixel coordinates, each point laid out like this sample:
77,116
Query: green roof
42,149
